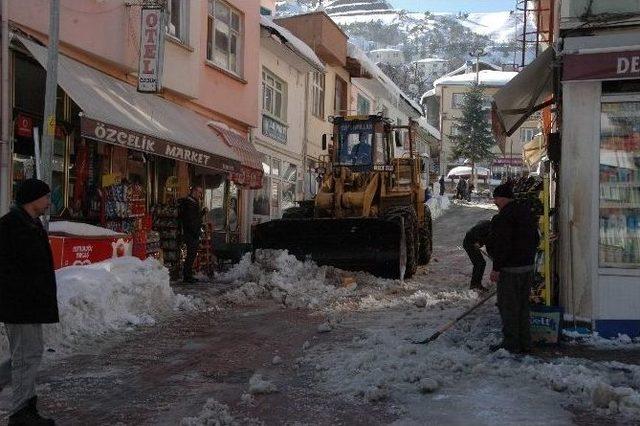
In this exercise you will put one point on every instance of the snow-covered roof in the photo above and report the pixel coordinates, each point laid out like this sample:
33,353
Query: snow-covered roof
422,122
463,69
388,49
427,60
358,54
485,77
293,42
427,94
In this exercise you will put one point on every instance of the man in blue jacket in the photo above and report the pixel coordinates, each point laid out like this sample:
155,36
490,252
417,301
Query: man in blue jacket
28,297
512,244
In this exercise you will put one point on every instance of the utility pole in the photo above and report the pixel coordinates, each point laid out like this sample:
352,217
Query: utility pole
49,125
5,147
477,54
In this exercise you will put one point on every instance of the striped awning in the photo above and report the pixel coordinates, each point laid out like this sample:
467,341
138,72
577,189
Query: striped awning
251,172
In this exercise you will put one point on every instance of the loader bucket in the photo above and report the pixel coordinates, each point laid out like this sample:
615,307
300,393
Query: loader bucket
373,245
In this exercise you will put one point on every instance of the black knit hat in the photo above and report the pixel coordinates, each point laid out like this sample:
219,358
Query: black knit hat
503,190
30,190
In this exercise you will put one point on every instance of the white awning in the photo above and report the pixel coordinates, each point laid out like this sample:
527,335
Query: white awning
528,92
114,112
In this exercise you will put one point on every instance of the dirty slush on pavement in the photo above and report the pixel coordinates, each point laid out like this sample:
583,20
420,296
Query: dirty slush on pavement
281,341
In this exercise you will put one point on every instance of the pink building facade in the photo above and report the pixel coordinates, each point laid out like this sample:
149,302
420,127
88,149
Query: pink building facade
198,124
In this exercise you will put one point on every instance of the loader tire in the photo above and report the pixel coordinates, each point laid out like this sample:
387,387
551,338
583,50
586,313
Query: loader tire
426,238
411,235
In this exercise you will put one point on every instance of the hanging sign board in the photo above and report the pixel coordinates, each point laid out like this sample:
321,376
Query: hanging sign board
150,63
602,66
131,139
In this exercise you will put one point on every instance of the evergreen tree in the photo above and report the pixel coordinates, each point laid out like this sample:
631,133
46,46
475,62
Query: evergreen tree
473,139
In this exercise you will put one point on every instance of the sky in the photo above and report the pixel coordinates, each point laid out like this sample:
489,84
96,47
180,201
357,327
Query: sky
454,5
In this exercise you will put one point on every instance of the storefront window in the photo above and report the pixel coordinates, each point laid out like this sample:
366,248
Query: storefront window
261,199
214,202
233,218
620,185
275,198
275,167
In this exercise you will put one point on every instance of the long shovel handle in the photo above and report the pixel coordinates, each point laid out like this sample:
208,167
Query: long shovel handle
451,323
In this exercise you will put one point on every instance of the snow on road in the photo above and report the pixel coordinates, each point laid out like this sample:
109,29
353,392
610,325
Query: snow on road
382,364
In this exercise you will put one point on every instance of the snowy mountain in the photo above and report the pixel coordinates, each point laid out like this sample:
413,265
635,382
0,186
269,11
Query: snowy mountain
375,24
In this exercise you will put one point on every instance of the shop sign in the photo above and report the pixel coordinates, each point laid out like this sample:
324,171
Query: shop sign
602,66
507,161
249,177
274,129
24,126
115,135
151,36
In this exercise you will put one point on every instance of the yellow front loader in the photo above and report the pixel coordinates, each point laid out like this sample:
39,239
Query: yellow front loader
369,213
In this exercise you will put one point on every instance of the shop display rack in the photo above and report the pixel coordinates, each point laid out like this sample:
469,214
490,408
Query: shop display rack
165,222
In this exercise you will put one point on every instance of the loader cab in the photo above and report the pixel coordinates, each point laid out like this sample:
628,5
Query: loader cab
360,142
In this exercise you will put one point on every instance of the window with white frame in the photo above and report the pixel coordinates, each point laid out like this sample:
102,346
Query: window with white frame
274,95
317,95
364,106
224,36
457,100
527,133
178,22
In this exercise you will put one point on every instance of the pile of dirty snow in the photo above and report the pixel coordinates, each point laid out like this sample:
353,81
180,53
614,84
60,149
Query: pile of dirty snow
280,276
107,296
438,204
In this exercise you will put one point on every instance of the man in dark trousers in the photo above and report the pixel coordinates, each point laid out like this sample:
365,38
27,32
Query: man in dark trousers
513,244
441,182
475,238
28,297
191,220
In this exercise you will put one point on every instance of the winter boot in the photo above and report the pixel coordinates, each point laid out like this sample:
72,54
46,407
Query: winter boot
29,416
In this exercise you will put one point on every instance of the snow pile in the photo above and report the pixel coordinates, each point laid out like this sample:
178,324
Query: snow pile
80,229
108,296
438,204
278,275
215,413
595,340
258,385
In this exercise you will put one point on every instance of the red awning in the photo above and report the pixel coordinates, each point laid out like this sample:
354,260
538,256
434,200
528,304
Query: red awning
251,172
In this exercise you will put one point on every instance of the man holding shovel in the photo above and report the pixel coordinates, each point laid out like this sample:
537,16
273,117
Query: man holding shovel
513,243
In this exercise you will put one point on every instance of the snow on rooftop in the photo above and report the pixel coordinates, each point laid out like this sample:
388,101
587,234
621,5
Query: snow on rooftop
486,77
427,94
293,42
422,122
388,49
358,54
428,60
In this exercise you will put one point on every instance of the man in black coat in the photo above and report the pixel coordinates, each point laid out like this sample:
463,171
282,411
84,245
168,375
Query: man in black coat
28,296
191,220
441,182
475,238
513,245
